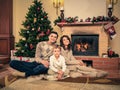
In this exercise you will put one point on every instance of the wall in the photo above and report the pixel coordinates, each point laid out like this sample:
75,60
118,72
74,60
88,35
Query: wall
21,8
85,8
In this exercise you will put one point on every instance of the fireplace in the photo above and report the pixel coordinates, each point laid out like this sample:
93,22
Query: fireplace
91,30
85,45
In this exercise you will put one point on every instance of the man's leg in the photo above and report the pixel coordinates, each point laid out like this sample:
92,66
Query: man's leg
26,67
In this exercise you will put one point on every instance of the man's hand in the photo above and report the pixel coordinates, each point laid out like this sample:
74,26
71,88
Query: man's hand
45,63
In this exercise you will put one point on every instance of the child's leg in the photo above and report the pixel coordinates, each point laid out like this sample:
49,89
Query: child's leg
51,75
51,72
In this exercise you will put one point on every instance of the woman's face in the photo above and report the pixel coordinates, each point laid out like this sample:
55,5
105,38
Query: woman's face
65,41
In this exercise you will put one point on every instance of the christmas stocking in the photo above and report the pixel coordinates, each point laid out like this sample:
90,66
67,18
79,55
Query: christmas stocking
109,28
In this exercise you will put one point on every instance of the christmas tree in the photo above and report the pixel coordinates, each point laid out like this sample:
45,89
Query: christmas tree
36,29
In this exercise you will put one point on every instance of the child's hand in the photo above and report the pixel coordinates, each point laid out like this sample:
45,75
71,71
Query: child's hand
60,74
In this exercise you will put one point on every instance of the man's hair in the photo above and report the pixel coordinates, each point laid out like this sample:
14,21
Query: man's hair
53,32
57,46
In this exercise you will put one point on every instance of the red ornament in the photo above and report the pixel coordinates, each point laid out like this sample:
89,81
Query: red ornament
42,34
45,16
38,9
48,32
31,46
39,29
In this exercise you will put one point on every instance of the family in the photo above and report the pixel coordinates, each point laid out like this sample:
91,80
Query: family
57,61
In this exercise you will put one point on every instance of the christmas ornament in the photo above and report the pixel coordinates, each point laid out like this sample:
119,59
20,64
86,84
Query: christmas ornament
31,46
48,32
26,45
42,34
35,19
28,27
45,16
33,29
38,8
39,29
27,31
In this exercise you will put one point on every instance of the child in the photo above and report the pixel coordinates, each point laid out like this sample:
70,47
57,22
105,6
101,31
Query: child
57,69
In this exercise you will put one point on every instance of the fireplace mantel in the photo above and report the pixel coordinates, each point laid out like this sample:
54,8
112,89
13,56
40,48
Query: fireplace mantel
61,24
82,24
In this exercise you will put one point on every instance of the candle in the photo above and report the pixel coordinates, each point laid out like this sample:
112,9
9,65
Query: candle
110,6
61,8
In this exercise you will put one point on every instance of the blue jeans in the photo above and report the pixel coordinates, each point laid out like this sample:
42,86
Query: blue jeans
30,68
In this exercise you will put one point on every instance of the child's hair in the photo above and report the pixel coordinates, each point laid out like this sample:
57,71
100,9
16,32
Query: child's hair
57,46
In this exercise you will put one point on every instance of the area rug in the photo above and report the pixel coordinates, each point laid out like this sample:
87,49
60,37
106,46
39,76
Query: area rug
108,81
23,84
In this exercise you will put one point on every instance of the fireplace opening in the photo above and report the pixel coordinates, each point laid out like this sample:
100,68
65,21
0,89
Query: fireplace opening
85,45
88,63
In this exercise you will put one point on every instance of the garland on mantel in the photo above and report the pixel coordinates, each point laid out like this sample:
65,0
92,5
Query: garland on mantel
113,19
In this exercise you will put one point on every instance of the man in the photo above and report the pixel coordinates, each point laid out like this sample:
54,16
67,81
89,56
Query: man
40,65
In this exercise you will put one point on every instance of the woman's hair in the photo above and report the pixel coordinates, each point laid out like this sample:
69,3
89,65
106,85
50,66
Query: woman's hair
61,42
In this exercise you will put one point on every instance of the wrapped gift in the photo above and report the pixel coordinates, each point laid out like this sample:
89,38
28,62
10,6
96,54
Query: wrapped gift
20,58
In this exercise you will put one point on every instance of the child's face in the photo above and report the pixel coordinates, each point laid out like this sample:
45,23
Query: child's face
56,52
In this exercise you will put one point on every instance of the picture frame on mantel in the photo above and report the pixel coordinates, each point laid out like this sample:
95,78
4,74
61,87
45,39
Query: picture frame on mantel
85,8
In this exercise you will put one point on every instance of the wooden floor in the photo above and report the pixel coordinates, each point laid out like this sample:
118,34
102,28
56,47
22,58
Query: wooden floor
4,71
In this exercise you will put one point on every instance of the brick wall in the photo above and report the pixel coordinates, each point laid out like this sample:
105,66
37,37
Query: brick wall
112,65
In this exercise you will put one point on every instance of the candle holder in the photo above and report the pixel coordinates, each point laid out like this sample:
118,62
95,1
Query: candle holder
62,14
110,12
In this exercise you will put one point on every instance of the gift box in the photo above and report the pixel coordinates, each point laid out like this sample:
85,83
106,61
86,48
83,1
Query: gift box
21,58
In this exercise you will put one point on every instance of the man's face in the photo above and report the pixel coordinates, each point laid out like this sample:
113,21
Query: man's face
52,38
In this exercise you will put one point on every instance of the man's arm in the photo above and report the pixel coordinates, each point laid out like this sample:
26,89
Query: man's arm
38,55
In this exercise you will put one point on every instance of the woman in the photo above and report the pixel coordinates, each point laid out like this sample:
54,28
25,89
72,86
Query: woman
77,68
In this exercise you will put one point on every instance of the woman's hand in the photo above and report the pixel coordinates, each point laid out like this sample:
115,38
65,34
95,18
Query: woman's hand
82,63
